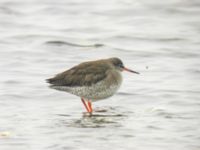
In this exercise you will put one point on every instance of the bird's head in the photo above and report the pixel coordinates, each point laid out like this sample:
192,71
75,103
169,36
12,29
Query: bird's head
118,64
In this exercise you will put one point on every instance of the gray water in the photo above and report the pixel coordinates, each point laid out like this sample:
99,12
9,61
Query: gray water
156,110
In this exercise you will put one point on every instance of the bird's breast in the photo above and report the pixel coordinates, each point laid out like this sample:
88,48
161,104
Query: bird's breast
104,88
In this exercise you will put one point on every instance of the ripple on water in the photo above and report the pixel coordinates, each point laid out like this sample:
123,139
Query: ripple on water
62,43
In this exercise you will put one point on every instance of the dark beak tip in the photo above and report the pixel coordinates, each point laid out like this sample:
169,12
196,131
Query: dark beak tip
136,72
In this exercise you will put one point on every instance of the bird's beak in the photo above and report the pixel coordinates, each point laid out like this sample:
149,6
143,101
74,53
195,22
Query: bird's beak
129,70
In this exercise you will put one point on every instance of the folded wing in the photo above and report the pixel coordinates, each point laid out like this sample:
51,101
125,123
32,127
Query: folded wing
84,74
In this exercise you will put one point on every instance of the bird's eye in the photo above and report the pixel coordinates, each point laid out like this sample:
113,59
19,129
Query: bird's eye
120,65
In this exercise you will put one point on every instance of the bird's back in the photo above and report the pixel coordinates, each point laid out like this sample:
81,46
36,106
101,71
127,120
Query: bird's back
84,74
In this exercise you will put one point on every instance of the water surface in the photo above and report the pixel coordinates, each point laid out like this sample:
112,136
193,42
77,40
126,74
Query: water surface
158,109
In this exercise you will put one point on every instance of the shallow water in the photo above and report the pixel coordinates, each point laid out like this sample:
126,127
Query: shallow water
158,109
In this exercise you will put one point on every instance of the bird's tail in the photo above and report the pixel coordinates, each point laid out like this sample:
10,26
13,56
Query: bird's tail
51,80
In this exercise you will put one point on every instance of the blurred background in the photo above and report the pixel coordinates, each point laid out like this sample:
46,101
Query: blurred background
158,109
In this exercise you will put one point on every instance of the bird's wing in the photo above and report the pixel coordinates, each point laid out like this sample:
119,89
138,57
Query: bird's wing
84,74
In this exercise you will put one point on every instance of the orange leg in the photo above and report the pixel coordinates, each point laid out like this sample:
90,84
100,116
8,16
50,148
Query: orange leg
88,109
90,106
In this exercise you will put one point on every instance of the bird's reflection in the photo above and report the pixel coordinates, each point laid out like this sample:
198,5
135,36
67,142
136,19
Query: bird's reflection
105,118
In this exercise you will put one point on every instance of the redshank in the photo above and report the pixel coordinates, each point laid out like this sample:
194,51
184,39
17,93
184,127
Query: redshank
92,80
